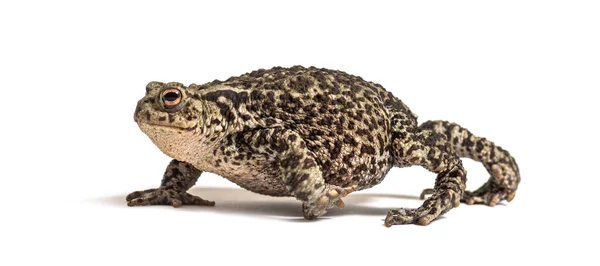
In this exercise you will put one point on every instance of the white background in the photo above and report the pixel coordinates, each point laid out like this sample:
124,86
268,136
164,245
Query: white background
521,73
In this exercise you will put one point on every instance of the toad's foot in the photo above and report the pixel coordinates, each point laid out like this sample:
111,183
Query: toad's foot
164,196
429,211
331,197
489,194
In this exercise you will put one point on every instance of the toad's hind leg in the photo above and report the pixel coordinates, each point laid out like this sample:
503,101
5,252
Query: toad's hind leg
502,167
178,178
432,151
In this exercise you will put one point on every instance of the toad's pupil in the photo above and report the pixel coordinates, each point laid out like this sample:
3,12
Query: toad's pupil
170,96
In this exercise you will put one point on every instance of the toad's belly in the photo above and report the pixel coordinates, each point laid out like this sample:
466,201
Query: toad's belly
267,181
263,180
262,175
262,184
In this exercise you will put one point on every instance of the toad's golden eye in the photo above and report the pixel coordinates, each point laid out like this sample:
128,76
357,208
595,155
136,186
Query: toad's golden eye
171,97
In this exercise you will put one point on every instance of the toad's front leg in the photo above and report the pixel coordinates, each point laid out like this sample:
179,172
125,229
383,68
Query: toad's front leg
298,169
178,178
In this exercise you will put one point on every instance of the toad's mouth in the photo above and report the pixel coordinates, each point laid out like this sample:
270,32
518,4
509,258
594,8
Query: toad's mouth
162,121
164,126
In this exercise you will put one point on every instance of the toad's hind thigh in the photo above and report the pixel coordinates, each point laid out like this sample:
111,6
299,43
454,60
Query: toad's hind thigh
350,158
363,170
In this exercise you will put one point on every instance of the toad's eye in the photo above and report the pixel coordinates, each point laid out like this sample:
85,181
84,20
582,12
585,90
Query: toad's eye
171,97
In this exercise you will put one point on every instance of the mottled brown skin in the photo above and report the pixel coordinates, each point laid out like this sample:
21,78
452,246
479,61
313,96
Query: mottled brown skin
315,134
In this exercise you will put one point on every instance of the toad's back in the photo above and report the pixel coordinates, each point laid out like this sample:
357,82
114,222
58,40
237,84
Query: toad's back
343,119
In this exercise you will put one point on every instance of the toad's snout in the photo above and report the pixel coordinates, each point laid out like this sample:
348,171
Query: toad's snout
135,114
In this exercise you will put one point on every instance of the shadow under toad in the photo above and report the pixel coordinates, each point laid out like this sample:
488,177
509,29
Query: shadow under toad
243,202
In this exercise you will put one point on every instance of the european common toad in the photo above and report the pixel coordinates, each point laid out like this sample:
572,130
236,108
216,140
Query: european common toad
314,134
